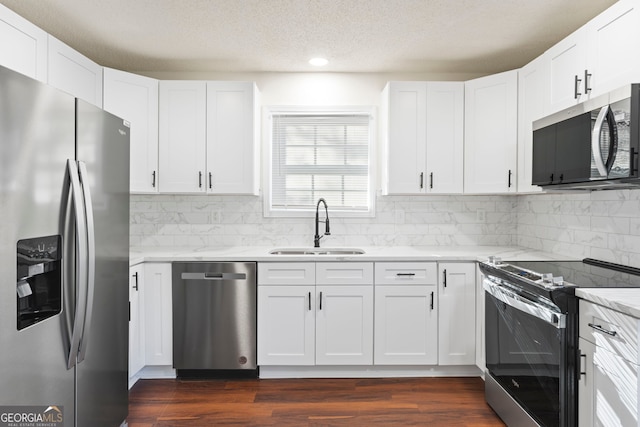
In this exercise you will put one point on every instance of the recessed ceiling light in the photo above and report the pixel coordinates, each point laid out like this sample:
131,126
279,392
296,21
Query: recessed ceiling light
318,62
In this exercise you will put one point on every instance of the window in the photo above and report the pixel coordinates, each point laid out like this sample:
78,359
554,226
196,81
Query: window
318,154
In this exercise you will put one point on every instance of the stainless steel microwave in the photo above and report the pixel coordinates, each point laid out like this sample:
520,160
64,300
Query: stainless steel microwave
593,145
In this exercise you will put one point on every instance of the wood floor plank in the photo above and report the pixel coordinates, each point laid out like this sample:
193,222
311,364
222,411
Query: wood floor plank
311,402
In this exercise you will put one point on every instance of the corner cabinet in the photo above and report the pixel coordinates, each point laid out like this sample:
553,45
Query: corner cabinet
406,313
135,99
457,320
24,46
609,383
208,137
491,134
74,73
423,137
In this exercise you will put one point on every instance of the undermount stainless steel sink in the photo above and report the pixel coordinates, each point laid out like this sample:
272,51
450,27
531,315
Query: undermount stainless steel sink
316,251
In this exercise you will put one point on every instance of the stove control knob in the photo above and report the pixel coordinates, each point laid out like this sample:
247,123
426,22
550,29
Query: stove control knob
495,260
558,281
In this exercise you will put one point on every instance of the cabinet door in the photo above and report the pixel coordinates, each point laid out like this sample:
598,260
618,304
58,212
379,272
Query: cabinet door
566,65
24,46
158,317
406,137
344,325
286,325
613,37
182,136
74,73
406,325
135,99
457,311
232,151
531,106
445,137
608,391
491,105
136,320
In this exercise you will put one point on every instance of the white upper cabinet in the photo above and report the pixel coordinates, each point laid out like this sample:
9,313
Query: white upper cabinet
423,137
135,99
491,134
182,136
74,73
613,40
596,58
531,106
232,139
208,137
23,47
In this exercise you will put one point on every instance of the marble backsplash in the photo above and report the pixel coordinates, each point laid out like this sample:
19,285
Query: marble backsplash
195,221
599,224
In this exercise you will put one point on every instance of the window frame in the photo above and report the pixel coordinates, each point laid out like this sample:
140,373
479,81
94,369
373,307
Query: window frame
267,121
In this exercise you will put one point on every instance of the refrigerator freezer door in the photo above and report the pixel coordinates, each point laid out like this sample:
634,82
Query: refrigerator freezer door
36,139
102,377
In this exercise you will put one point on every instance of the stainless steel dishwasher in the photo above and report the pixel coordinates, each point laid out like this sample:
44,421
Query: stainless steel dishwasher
214,317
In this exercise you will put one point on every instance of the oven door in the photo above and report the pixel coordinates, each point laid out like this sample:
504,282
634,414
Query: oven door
526,353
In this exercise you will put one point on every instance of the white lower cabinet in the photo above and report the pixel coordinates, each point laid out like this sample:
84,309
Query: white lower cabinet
609,367
136,320
158,314
406,313
286,325
344,325
457,311
315,314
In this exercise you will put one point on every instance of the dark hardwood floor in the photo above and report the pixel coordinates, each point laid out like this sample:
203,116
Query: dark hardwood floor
311,402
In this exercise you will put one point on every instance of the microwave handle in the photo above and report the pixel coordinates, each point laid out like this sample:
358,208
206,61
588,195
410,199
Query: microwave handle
595,141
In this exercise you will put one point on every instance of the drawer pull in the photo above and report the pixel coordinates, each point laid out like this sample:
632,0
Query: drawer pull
601,329
583,370
405,274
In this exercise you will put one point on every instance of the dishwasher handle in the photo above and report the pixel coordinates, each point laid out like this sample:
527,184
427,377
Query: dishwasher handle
214,276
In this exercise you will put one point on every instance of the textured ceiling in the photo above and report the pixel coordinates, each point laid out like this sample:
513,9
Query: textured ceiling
421,36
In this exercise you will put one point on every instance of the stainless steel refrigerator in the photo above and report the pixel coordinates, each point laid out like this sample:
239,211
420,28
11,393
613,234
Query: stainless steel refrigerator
64,251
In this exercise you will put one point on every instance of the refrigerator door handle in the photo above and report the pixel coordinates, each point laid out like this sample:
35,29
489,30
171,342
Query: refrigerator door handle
81,267
90,258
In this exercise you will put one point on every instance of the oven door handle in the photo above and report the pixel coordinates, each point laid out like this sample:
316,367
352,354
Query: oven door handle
514,300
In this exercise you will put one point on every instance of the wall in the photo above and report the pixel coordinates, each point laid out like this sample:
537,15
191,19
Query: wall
601,224
214,221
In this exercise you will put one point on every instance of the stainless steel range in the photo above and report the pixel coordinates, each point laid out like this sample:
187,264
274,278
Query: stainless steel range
531,324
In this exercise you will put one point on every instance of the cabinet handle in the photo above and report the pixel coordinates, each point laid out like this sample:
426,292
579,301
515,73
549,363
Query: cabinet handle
583,371
210,180
603,330
431,300
199,179
509,179
405,274
421,180
320,300
309,301
576,85
444,277
153,179
135,276
587,76
551,180
561,177
431,180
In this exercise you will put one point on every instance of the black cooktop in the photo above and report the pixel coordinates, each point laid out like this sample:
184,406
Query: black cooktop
557,280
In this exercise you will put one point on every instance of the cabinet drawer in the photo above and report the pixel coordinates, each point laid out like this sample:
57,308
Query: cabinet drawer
344,273
286,273
610,329
406,273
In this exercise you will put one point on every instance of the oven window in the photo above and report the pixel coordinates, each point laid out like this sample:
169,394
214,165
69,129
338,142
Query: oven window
525,356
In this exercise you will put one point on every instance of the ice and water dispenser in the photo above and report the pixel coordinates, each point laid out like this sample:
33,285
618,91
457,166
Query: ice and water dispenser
39,281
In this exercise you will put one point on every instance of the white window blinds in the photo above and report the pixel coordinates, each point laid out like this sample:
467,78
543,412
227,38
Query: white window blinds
320,155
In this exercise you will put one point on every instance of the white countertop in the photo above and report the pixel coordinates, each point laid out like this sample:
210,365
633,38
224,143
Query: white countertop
372,253
624,300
